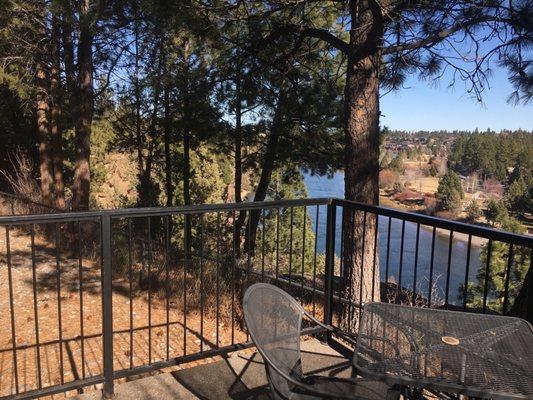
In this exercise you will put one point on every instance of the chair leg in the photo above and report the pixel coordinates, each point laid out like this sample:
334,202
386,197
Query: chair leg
410,392
394,393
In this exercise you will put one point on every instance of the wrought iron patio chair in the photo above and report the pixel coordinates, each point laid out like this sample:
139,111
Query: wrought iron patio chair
274,322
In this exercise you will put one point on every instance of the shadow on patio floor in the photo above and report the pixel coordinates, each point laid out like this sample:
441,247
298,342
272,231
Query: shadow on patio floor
241,376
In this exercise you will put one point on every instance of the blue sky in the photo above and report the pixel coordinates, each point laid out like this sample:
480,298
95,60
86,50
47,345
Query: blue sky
422,107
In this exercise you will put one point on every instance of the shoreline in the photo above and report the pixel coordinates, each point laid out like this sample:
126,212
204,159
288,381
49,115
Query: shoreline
320,186
463,237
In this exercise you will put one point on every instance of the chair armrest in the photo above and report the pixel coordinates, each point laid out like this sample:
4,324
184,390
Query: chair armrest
348,336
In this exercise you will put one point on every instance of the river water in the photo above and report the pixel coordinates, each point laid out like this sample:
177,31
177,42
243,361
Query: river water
319,186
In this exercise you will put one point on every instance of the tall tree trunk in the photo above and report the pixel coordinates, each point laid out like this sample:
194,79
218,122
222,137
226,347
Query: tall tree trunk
68,60
186,160
43,125
142,176
167,126
168,162
361,165
238,166
186,189
187,123
268,164
84,115
70,73
55,116
146,180
43,135
238,145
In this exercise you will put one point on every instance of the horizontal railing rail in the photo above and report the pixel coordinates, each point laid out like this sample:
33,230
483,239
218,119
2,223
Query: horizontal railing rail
475,230
158,211
91,297
456,226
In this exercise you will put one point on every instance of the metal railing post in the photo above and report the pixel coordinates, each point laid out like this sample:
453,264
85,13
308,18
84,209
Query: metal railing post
529,295
107,307
330,264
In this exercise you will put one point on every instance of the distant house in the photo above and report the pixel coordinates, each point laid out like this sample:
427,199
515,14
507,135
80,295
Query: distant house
409,196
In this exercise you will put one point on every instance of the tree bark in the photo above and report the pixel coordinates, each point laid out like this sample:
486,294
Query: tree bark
186,188
43,135
167,123
55,116
238,145
269,161
68,59
43,125
238,166
84,115
187,123
143,177
361,165
186,166
167,129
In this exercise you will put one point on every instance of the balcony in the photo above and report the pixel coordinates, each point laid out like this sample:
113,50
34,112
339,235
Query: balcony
107,300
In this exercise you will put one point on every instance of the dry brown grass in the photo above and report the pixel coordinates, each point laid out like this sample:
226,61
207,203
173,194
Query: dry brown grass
26,195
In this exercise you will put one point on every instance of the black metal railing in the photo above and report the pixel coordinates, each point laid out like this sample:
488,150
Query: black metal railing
431,262
98,296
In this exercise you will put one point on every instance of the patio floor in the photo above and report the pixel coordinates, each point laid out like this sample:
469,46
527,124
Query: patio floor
240,376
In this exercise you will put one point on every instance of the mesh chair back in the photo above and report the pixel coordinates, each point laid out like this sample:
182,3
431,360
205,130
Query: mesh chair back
274,320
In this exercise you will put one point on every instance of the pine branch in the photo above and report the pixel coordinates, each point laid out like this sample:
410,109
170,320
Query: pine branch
317,33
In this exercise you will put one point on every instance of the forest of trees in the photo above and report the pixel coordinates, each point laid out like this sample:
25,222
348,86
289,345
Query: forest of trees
231,91
166,88
492,155
505,157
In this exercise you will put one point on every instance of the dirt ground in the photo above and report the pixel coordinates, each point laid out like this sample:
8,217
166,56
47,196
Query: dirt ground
76,358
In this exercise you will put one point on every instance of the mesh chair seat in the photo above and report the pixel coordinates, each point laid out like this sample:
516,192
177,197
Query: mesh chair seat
274,321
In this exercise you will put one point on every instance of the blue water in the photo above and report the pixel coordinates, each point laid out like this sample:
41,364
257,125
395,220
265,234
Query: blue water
318,186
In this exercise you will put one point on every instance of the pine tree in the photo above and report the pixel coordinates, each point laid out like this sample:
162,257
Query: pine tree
381,42
504,277
450,191
473,212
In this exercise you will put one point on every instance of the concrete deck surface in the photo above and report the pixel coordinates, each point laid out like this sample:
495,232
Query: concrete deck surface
240,376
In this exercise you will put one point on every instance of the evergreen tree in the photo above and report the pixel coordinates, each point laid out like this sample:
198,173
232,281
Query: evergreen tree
473,212
497,213
294,251
397,163
450,191
502,276
519,194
